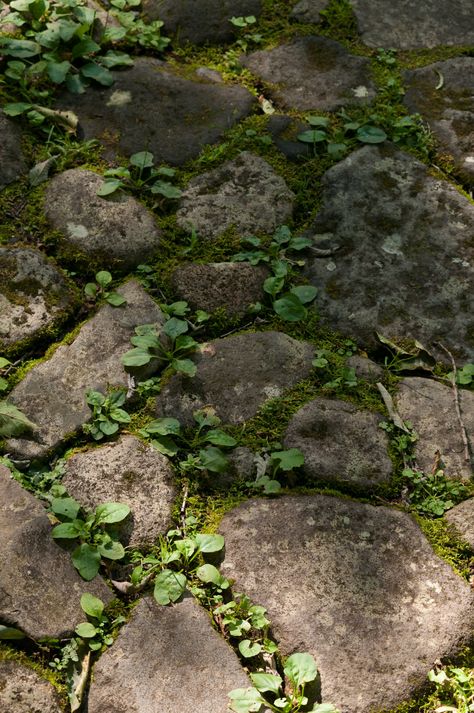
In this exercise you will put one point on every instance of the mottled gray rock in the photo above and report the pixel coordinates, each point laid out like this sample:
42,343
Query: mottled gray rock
52,394
127,471
117,230
462,517
34,295
340,443
232,285
245,193
23,691
200,21
309,10
313,73
357,586
404,265
236,376
448,110
166,659
430,407
12,161
40,589
150,106
365,368
404,24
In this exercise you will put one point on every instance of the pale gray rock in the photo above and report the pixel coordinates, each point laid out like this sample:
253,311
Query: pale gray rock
340,443
127,471
430,407
166,659
462,517
117,230
23,691
245,193
357,586
313,73
52,394
309,11
40,589
365,368
12,160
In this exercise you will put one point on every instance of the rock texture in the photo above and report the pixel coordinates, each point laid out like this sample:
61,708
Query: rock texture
12,161
309,10
23,691
365,368
462,517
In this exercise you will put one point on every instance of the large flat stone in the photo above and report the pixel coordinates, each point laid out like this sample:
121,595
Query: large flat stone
357,586
166,659
40,590
52,394
23,691
462,517
12,161
313,73
403,263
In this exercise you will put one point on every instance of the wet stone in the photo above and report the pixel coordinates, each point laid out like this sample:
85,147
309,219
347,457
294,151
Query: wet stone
357,586
12,161
313,73
117,230
127,471
166,659
365,369
402,262
245,193
340,443
309,11
23,691
462,517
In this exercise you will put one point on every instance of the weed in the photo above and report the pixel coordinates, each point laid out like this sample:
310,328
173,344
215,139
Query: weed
454,689
13,423
269,466
97,290
107,414
432,494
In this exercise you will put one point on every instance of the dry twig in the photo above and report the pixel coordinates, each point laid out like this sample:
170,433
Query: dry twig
457,404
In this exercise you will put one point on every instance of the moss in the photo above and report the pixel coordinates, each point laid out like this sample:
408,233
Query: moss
447,544
36,660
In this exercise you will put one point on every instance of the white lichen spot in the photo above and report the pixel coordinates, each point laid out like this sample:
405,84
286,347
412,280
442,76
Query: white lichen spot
361,92
77,230
120,98
460,261
310,521
469,159
392,245
271,392
413,566
331,266
364,535
433,585
346,520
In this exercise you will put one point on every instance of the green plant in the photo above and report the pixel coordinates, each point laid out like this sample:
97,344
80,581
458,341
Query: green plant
270,465
140,176
98,290
246,38
347,378
454,690
240,619
134,30
5,365
96,632
107,414
432,494
464,376
13,423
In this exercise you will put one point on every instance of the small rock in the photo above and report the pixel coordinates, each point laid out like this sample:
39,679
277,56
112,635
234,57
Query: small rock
12,161
462,517
365,368
241,468
23,691
284,131
309,11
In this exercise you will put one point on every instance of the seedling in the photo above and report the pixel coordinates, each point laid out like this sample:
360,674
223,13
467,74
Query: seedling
454,689
96,632
5,366
107,414
240,619
98,290
13,423
432,494
140,176
270,465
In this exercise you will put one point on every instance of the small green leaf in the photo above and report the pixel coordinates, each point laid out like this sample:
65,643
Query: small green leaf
164,427
10,633
273,285
213,459
100,74
248,649
165,445
289,308
209,543
169,586
174,327
65,507
66,531
136,357
264,682
116,300
370,134
86,559
57,71
142,159
184,366
305,293
118,414
211,575
86,630
91,605
111,512
318,121
108,427
83,48
245,700
313,136
103,278
16,109
219,438
111,549
300,669
323,708
109,186
289,459
13,423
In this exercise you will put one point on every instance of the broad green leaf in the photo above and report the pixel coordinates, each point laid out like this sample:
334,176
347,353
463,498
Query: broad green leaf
185,343
318,121
95,398
99,74
111,512
209,543
337,150
57,71
111,549
289,308
109,186
16,109
273,285
116,300
305,293
209,574
103,278
4,362
370,134
248,649
9,632
86,559
166,189
270,487
19,48
86,630
245,700
289,459
213,459
83,48
13,423
219,438
74,84
65,507
136,357
66,531
300,243
282,235
174,327
184,366
165,445
3,384
300,669
312,136
118,414
185,547
91,605
169,586
142,159
266,682
116,59
164,427
108,428
67,29
85,15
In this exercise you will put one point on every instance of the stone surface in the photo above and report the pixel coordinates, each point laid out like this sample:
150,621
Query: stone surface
118,229
462,517
309,10
404,24
23,691
404,262
244,193
340,443
91,361
12,161
284,131
313,73
236,376
40,589
34,295
365,368
150,106
430,407
231,285
127,471
357,586
200,21
166,659
449,110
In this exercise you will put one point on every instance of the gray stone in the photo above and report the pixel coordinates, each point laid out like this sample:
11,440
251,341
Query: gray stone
462,517
40,589
365,368
244,193
340,443
52,394
127,471
430,407
166,659
231,285
199,21
449,110
313,73
404,24
403,263
116,230
12,161
309,10
34,295
284,131
23,691
150,106
241,467
236,375
357,586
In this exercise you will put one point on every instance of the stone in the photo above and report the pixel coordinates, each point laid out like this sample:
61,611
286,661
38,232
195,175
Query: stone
403,24
245,193
126,471
236,375
430,407
23,691
12,160
151,106
118,230
462,517
340,443
166,659
199,21
402,262
241,467
233,286
52,394
449,110
40,589
365,368
309,11
284,131
358,587
34,295
313,73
